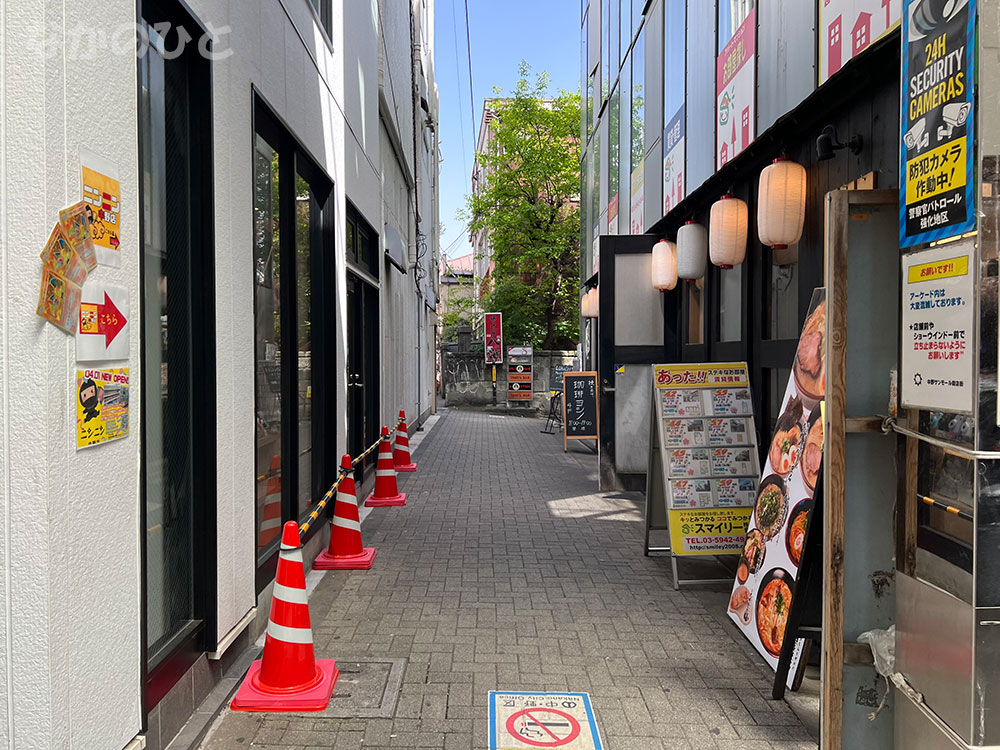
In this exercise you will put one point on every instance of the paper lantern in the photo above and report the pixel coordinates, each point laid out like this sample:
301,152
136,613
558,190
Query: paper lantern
664,269
692,251
585,305
588,304
781,208
595,303
727,241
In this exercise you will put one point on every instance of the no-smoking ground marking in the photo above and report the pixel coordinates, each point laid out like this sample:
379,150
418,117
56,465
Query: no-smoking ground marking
520,721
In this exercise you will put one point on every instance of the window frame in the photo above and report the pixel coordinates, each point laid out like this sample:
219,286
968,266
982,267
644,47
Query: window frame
294,161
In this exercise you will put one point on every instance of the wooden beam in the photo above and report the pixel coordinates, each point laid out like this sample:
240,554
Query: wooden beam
834,467
864,424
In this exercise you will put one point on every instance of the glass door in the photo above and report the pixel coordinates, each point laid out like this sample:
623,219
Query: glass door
177,306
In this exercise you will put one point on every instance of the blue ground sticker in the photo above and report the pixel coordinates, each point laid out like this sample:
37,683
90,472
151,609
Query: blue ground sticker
521,721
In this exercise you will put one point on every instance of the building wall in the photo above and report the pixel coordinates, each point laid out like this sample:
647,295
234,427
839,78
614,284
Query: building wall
70,519
70,577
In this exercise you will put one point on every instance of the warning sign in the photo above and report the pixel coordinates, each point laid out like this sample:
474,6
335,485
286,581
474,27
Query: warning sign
554,720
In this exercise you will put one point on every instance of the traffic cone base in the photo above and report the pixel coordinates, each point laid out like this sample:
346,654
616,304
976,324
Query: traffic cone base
406,467
381,502
326,561
253,695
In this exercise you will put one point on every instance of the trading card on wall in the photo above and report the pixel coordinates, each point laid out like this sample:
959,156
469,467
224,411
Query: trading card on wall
58,301
76,226
61,258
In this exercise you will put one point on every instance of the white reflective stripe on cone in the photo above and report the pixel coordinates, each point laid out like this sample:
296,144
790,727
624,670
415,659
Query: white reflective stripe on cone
347,497
385,472
291,555
290,595
284,633
347,523
270,524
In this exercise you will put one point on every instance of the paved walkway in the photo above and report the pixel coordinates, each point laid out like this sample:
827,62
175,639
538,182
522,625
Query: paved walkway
507,571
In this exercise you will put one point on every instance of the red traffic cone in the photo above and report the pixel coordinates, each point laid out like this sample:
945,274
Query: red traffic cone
288,677
386,492
270,513
346,551
401,454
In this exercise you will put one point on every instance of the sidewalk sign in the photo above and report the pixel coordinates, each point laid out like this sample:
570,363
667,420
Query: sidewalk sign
767,588
703,460
581,416
519,374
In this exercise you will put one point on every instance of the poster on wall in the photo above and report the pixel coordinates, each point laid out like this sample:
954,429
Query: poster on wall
493,328
938,322
768,568
102,199
848,27
735,90
673,162
937,197
102,402
637,184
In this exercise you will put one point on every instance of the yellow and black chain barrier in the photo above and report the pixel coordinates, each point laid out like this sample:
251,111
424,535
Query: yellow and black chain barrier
304,528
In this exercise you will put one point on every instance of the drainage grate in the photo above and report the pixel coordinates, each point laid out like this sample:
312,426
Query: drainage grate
366,689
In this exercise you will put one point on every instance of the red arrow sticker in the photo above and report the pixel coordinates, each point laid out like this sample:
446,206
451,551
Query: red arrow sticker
102,320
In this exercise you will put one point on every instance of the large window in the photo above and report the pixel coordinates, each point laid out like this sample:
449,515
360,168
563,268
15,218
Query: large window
293,325
324,14
613,154
624,146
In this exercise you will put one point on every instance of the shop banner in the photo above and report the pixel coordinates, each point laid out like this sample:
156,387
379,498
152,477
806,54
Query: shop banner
938,324
768,568
708,531
102,402
735,92
493,324
673,162
848,27
726,374
638,197
613,214
937,155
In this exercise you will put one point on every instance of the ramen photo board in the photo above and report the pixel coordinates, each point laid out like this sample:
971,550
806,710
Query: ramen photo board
768,569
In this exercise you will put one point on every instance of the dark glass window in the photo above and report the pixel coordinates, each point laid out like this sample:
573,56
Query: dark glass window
362,242
293,255
324,13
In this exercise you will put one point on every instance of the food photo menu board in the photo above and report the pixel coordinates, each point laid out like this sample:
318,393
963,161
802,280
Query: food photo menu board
767,572
709,458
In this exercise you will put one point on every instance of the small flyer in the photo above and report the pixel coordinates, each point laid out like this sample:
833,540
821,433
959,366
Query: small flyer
685,433
691,493
732,462
690,462
736,492
102,401
682,403
728,431
102,206
734,401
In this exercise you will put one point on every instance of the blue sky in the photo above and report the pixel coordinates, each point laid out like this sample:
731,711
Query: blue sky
546,33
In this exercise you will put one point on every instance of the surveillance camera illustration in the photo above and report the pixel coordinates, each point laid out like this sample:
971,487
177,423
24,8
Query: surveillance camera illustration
917,138
927,16
955,115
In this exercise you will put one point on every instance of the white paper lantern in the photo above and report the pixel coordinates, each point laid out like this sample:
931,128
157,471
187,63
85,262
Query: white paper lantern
781,207
588,304
692,251
595,303
727,242
664,269
585,306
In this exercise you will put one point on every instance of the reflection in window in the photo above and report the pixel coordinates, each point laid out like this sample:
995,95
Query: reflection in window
303,317
731,14
731,303
267,344
675,19
783,294
696,314
613,153
624,145
638,101
624,29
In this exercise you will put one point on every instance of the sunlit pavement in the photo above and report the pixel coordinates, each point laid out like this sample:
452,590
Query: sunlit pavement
506,570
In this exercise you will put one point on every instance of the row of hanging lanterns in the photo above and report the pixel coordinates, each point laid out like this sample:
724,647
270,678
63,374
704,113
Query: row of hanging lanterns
780,219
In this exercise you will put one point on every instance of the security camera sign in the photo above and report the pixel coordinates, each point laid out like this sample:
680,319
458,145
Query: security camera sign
937,199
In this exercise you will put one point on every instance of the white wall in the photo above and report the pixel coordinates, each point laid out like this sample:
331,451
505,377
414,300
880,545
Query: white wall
70,519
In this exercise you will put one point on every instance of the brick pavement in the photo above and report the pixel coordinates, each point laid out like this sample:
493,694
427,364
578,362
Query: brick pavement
506,570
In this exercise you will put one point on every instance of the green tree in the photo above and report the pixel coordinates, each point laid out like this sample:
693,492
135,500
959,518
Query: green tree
528,203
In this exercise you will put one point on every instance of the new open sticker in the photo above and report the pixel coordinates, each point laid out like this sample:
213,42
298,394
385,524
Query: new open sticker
520,721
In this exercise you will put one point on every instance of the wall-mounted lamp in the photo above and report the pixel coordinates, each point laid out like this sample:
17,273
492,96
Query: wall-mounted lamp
781,203
727,244
664,266
829,142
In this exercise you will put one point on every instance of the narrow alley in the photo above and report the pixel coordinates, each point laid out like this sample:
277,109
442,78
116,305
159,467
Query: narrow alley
507,571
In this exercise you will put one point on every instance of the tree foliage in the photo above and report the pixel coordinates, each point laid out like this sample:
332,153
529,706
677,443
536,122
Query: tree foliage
528,203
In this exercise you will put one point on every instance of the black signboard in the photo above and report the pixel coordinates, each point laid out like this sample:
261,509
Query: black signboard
580,414
937,156
556,378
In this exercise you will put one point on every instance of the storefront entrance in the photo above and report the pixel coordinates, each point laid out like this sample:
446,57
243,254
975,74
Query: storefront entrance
362,370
